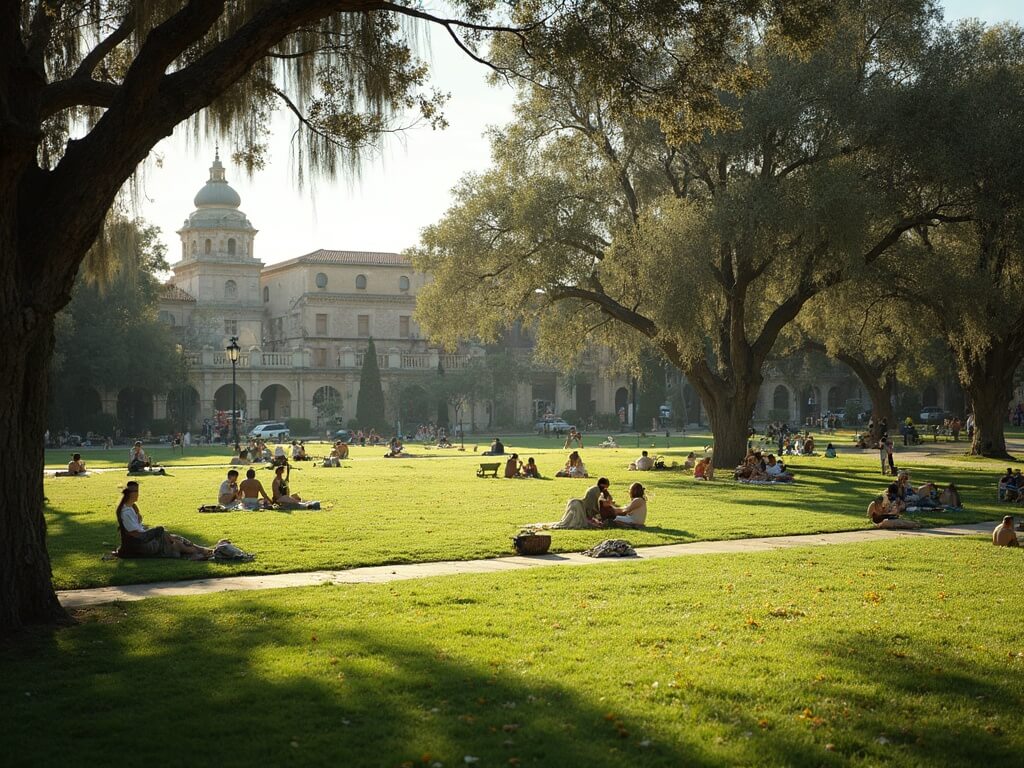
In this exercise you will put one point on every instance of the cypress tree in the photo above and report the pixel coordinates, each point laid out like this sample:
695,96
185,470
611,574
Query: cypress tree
370,403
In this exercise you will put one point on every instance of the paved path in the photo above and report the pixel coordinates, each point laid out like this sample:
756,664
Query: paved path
79,598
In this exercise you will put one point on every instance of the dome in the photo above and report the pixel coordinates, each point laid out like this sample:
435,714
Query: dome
217,193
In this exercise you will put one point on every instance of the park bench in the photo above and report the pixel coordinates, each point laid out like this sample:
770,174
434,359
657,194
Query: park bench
489,469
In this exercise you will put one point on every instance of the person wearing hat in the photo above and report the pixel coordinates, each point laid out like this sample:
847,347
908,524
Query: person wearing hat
1004,535
138,540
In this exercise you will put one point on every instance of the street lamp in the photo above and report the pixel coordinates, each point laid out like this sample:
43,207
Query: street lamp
233,350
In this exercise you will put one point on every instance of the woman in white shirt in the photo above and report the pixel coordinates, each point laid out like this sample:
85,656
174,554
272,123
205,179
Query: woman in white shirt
634,513
137,540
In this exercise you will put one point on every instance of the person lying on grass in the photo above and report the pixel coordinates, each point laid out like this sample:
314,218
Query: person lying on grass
752,468
1008,486
137,540
884,516
634,514
1004,535
229,493
950,497
76,466
775,470
242,457
252,490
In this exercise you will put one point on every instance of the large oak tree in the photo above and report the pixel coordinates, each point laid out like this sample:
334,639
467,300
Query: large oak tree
88,88
700,232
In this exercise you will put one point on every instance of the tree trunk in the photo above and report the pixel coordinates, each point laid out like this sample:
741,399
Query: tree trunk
988,381
730,410
879,385
26,591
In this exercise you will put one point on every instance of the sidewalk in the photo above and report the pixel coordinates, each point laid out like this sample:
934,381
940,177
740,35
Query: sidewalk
382,574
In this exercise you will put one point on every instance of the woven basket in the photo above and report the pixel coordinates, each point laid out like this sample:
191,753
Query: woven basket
531,543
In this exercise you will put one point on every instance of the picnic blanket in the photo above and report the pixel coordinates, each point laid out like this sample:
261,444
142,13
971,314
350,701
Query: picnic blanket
574,518
147,472
766,482
611,548
65,473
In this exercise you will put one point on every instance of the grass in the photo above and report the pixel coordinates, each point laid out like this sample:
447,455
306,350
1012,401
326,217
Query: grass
894,653
396,511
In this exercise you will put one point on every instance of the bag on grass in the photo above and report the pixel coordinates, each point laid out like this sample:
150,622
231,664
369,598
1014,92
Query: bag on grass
227,552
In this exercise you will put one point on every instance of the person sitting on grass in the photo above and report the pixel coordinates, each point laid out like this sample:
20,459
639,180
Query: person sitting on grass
949,497
1004,535
928,496
574,467
394,448
690,463
298,452
642,464
809,445
241,458
513,467
252,491
282,495
137,540
530,469
138,461
497,448
76,466
229,493
704,469
581,513
906,493
634,514
830,451
893,503
883,516
775,471
1008,486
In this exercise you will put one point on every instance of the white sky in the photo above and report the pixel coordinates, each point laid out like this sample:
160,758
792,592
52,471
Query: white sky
398,193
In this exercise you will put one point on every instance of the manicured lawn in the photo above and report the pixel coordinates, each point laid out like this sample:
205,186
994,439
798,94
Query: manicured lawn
903,653
434,508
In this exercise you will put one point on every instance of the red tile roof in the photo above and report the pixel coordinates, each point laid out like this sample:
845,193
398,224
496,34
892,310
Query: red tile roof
171,292
356,258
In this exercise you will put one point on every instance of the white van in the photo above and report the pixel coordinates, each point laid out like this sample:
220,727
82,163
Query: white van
270,430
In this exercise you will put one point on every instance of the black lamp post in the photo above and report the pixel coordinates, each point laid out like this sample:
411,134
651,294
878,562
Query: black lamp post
233,350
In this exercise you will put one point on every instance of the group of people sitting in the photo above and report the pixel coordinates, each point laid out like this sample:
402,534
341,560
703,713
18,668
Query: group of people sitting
339,452
497,448
514,468
797,445
574,467
1011,486
597,509
250,493
760,468
887,509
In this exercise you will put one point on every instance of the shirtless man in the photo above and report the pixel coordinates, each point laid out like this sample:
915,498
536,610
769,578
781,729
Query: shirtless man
229,491
884,517
76,466
252,490
1004,535
643,464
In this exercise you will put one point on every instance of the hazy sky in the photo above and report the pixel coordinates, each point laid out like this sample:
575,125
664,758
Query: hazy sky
398,193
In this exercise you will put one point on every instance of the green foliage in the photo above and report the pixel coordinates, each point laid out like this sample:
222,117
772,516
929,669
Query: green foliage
779,414
162,427
299,427
98,423
370,403
572,416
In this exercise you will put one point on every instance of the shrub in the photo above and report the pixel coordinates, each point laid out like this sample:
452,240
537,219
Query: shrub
607,421
98,423
571,416
778,414
162,427
299,426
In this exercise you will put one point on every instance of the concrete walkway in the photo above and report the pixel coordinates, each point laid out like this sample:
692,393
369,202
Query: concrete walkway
381,574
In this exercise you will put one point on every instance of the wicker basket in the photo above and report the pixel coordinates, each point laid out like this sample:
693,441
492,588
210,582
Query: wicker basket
529,543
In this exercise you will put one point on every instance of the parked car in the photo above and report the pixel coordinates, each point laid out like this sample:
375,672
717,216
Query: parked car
552,425
270,430
932,415
344,435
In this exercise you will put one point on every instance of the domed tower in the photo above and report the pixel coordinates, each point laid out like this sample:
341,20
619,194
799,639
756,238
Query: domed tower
218,267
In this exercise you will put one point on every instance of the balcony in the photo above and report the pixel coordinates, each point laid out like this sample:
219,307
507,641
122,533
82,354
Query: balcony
347,360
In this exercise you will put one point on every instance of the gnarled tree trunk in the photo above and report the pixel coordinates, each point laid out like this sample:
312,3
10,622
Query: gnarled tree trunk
988,381
730,409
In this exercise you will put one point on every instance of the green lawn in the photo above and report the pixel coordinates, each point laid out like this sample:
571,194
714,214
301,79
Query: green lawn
905,653
434,508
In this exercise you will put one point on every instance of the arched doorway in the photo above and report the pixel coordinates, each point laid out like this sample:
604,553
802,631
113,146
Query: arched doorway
622,404
780,403
834,402
543,395
327,404
83,411
134,409
183,407
810,402
222,398
275,402
414,407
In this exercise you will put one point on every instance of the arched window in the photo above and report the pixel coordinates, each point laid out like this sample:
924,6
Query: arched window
266,294
321,280
230,289
195,247
166,317
403,283
361,282
208,246
231,246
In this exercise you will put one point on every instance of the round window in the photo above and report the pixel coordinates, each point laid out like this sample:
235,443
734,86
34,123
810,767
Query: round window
360,281
321,280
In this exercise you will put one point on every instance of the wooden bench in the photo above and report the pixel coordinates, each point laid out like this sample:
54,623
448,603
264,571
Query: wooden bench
489,469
